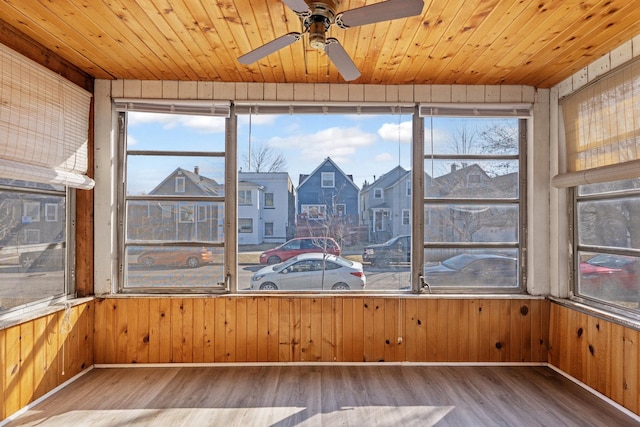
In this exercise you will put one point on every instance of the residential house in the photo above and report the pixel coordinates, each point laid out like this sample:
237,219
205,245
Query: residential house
171,220
266,205
385,205
327,197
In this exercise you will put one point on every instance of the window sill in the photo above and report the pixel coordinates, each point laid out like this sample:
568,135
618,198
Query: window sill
600,311
35,313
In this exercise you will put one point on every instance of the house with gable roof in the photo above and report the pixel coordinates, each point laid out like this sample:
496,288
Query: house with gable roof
197,221
326,196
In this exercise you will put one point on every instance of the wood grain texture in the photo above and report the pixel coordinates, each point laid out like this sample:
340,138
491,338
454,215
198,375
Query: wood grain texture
38,355
327,329
381,395
597,352
476,42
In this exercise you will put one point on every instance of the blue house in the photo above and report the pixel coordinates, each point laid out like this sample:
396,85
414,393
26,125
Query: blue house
327,194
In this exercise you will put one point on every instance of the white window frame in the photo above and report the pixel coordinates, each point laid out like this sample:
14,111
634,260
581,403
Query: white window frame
320,209
269,196
244,228
406,216
51,212
187,213
378,194
328,180
30,212
180,184
243,195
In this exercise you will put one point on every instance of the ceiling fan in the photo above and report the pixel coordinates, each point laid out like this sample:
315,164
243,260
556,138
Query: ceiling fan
318,16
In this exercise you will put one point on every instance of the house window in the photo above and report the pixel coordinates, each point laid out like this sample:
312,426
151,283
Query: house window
180,184
51,212
186,212
244,197
377,193
268,228
406,217
328,180
268,200
30,212
202,213
341,210
408,188
314,211
245,225
163,236
475,230
37,272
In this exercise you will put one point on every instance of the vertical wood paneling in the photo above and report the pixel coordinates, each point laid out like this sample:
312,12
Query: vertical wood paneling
208,330
272,335
285,351
198,330
220,334
40,354
241,330
230,322
348,326
315,341
252,329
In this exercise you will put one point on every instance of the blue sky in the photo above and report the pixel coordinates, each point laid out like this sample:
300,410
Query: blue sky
365,146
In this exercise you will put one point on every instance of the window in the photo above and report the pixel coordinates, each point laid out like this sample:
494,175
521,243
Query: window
328,180
180,184
51,212
406,217
163,236
33,252
408,193
473,203
325,187
268,229
314,211
31,212
608,243
244,197
377,193
245,225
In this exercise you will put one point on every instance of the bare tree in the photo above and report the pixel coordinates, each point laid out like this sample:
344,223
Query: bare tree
463,138
265,159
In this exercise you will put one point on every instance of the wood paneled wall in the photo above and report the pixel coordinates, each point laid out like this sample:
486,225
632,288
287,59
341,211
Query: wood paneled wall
332,328
602,354
38,355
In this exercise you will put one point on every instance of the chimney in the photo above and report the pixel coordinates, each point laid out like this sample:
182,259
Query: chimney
454,167
196,170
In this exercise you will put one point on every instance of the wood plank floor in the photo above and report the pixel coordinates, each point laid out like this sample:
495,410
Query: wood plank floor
384,395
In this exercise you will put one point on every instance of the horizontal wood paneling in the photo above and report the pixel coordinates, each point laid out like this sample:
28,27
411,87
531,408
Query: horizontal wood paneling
39,355
602,354
326,329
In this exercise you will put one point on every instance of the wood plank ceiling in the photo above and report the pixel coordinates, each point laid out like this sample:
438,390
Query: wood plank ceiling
537,43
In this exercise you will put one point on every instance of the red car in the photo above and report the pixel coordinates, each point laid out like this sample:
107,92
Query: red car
297,246
610,277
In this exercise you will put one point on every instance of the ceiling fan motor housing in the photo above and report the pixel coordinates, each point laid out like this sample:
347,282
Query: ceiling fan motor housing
318,22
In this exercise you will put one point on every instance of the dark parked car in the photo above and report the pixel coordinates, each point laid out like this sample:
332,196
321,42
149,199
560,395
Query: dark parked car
300,245
396,250
175,255
610,277
473,270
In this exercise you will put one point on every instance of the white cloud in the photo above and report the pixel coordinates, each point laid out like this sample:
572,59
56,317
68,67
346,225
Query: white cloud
394,132
131,140
257,120
202,124
338,143
385,157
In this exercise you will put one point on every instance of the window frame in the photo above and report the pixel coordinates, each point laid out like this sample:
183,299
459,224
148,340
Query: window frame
67,246
521,113
323,179
413,189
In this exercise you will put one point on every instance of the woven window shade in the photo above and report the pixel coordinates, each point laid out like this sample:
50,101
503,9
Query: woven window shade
44,124
602,129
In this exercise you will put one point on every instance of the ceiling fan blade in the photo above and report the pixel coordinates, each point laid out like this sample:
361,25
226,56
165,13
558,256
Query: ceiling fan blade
383,11
341,59
298,6
269,48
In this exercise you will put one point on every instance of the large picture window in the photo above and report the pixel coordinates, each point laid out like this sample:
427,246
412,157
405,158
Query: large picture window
473,203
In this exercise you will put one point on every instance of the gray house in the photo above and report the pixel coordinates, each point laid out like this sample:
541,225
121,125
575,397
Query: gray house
266,207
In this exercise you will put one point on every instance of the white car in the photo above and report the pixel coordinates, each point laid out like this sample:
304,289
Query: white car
310,271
